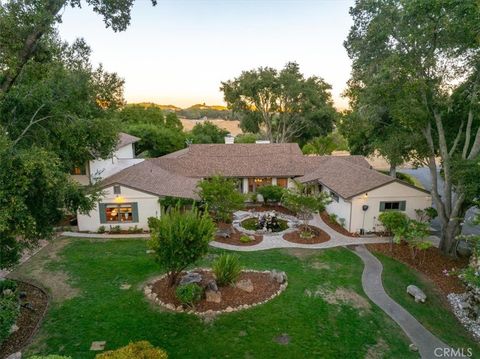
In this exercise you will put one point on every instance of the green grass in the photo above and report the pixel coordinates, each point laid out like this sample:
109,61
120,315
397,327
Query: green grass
101,311
434,314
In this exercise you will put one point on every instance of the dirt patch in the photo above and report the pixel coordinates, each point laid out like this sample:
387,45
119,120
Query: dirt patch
320,265
31,313
378,350
235,236
264,287
432,266
319,236
343,295
335,226
301,253
36,270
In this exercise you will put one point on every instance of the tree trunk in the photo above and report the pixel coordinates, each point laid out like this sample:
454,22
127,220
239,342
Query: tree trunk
393,171
448,242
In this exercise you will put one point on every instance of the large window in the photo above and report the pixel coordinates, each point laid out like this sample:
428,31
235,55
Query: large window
254,183
118,213
393,206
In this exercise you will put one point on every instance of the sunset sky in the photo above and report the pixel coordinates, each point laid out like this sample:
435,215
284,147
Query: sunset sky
179,51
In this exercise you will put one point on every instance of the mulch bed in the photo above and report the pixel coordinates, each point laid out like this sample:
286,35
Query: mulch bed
263,287
336,226
269,208
320,236
28,321
432,267
235,236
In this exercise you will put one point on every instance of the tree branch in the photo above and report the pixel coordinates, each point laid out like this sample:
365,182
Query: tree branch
32,122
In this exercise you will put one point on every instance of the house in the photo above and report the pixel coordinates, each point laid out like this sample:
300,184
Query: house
359,193
97,169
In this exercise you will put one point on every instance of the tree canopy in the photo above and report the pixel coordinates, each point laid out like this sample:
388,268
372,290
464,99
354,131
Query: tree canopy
207,132
284,104
423,58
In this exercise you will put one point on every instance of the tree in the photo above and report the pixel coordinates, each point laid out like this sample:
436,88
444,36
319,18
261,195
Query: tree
394,222
155,140
221,196
208,132
325,145
303,201
284,104
180,239
134,114
55,112
247,138
428,56
173,122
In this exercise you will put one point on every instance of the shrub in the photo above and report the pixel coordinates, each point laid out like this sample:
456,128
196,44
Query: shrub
342,222
227,269
333,218
271,193
179,239
189,294
142,349
101,229
245,239
393,221
427,214
115,229
221,196
250,224
135,229
9,311
8,284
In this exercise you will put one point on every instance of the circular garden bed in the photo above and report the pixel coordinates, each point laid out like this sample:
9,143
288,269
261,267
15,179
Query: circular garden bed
317,236
252,288
251,224
34,304
235,237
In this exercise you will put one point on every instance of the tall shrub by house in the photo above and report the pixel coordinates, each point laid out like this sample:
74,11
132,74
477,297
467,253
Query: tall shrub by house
221,196
179,239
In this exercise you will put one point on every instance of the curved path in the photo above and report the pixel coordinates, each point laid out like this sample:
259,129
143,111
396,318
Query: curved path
425,341
271,241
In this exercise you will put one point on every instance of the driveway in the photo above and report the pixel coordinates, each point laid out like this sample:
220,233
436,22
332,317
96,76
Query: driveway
423,175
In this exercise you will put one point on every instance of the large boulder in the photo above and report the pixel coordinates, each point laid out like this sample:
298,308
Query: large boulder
212,296
279,277
212,285
417,293
190,277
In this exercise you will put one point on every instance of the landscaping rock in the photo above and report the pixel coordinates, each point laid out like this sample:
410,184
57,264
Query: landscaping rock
191,277
213,296
260,198
283,339
417,293
149,251
125,286
17,355
212,286
7,292
279,277
97,346
14,328
245,285
413,348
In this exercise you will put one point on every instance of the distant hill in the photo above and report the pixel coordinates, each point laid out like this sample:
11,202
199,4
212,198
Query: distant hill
195,112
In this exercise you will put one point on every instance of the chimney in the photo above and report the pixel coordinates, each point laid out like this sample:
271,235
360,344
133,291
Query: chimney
262,142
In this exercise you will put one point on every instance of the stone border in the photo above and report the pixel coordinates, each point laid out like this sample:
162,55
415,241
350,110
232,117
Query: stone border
292,223
180,309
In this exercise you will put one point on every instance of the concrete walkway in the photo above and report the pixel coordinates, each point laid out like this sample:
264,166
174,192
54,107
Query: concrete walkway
104,235
271,241
425,341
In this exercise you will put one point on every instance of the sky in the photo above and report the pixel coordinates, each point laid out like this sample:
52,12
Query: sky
179,51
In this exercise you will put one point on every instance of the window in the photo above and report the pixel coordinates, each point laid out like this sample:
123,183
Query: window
334,196
118,213
79,171
282,182
393,206
117,190
254,183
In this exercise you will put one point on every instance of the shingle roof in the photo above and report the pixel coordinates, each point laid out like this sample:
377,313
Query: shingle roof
148,177
346,176
178,173
125,139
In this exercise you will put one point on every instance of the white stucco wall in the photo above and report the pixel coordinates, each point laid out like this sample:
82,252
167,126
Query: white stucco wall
120,159
340,208
395,191
148,206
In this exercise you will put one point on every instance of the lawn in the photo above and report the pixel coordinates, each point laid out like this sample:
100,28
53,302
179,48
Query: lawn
434,314
84,277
